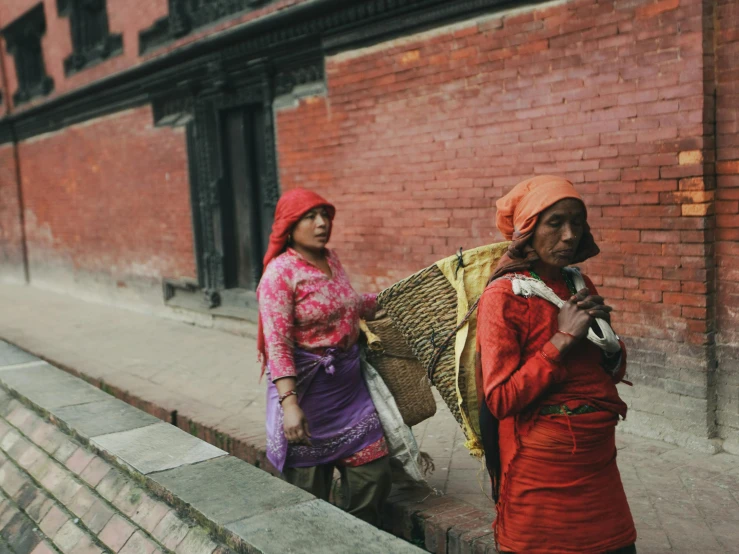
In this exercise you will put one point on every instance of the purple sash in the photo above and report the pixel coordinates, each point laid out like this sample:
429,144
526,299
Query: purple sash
333,396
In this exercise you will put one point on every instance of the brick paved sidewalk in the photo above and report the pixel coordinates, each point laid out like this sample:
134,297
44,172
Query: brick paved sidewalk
683,501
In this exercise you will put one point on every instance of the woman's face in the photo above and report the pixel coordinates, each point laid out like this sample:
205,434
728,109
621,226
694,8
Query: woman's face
313,229
559,231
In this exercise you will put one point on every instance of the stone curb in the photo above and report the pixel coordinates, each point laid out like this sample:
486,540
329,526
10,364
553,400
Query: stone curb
411,514
244,507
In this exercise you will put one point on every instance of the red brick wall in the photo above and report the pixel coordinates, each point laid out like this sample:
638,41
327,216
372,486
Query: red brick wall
727,216
108,200
11,241
418,137
127,17
415,140
11,236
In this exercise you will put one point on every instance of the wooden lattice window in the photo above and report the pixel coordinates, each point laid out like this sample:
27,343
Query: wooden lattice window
23,42
186,15
91,38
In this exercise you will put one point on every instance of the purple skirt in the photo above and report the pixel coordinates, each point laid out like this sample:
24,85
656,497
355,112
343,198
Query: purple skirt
334,398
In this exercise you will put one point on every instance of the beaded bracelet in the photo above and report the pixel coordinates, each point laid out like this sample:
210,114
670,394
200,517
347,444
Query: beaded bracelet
285,395
567,334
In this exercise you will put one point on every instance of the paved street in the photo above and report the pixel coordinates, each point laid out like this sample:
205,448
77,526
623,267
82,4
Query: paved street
682,501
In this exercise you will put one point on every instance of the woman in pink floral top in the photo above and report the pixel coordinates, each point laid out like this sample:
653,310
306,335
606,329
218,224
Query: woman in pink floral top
308,308
319,412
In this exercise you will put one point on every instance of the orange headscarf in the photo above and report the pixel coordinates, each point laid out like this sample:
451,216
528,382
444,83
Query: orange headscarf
291,207
518,213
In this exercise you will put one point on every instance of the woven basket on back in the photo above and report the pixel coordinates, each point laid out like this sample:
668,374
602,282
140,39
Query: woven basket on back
423,308
403,375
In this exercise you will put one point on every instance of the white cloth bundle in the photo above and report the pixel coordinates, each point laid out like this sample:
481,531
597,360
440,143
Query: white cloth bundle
528,286
404,451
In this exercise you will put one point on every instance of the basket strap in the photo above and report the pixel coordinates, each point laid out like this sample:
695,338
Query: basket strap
443,346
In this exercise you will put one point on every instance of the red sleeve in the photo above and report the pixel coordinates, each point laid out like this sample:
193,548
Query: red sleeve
368,305
276,308
510,384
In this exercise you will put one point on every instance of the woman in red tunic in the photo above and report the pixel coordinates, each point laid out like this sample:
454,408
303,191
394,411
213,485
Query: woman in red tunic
549,394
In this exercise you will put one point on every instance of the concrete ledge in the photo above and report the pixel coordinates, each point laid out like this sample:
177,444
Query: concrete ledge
244,507
250,491
11,355
156,447
333,531
49,387
103,417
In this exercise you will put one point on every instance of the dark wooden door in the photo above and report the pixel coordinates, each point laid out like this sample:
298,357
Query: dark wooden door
242,197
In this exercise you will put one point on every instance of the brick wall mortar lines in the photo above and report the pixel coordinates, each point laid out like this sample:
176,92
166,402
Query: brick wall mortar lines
416,139
108,204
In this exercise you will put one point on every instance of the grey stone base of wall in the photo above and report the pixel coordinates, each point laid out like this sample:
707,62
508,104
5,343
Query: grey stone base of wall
12,274
727,385
654,426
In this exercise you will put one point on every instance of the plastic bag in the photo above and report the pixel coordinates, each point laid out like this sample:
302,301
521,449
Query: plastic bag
404,451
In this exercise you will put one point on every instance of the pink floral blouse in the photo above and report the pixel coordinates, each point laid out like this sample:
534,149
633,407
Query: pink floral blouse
302,306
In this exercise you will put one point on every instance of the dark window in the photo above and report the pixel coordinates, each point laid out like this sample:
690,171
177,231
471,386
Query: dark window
23,40
186,15
91,38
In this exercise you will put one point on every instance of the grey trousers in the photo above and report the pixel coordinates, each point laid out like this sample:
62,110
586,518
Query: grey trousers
364,488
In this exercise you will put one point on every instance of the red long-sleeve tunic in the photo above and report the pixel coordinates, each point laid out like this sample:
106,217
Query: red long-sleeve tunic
551,498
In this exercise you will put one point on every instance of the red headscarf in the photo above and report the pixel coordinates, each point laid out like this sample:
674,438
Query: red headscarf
291,207
518,213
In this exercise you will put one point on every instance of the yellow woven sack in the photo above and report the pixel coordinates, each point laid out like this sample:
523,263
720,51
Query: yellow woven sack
469,280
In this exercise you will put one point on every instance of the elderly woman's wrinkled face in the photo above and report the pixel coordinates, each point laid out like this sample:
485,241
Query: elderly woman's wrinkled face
559,231
313,229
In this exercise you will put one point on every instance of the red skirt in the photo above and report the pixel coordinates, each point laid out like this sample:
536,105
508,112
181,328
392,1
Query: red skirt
554,500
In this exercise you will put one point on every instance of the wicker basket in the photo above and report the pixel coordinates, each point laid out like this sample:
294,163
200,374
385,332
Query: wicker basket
402,373
423,308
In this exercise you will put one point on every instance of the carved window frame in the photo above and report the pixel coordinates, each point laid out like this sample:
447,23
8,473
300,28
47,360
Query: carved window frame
185,16
23,42
92,41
